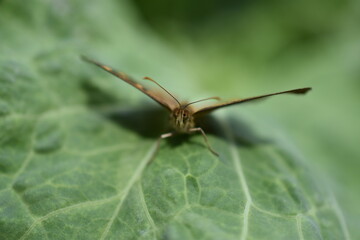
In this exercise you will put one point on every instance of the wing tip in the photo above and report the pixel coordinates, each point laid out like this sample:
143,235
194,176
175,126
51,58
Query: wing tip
87,59
302,90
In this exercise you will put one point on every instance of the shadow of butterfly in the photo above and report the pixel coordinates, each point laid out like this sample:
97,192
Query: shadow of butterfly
183,115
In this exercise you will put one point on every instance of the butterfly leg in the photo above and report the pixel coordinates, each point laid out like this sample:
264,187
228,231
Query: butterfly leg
162,136
199,129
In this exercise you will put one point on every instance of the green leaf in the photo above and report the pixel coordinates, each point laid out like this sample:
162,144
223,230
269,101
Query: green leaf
75,148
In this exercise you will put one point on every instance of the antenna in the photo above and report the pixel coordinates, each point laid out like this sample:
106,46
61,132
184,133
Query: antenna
216,98
150,79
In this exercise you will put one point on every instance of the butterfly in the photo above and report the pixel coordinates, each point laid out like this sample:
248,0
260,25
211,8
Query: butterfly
183,115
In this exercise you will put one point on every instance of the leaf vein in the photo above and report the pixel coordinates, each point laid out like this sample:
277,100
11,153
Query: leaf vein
61,210
241,176
133,179
146,210
299,226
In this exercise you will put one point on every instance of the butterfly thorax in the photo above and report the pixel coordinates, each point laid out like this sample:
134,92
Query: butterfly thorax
182,119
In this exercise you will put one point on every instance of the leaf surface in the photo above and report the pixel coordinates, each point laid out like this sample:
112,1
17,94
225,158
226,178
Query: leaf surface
74,151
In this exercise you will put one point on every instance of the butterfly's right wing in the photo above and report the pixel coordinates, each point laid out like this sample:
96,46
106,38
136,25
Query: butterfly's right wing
211,108
166,102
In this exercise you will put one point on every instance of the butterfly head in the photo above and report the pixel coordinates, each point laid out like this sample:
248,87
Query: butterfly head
182,119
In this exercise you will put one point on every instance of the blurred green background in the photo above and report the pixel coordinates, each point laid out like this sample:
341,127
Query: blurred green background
245,48
226,48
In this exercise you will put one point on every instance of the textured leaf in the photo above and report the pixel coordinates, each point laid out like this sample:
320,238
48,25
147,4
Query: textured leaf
74,150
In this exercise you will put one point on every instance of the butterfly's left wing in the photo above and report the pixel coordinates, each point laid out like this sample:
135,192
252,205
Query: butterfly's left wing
238,101
168,103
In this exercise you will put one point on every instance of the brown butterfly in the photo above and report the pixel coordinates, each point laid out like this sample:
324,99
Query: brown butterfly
182,115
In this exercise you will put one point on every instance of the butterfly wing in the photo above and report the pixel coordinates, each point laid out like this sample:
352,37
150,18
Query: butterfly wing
238,101
168,103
